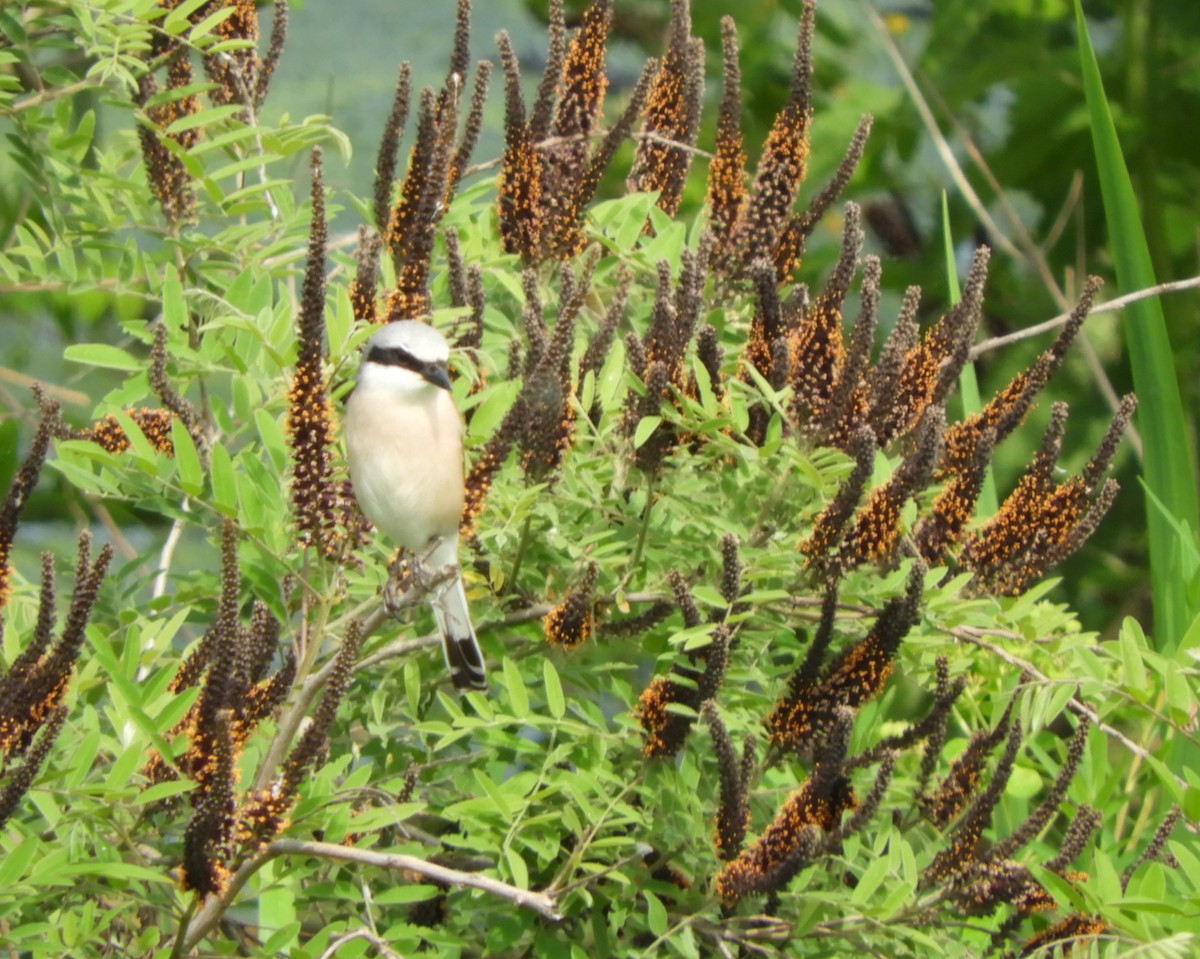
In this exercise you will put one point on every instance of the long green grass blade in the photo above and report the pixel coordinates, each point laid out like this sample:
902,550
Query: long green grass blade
1168,467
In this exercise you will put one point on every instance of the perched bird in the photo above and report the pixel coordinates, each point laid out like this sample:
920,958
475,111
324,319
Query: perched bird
404,442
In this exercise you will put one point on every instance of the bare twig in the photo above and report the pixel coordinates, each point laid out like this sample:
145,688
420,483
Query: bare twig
1079,708
1109,306
52,93
168,554
540,902
209,914
376,943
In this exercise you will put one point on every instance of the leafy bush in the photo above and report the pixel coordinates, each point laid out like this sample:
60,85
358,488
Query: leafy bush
760,676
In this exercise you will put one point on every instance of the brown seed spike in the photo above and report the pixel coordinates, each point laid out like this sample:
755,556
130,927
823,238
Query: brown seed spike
235,70
542,114
1006,535
279,24
1008,407
672,115
460,55
733,811
804,717
160,382
890,410
210,830
962,323
385,164
1067,932
806,222
23,778
423,199
1085,822
847,409
1048,807
584,80
954,507
962,851
308,751
1156,850
19,489
768,324
572,241
362,289
793,839
831,523
310,416
816,348
1099,463
684,599
169,179
519,185
108,433
665,730
405,223
471,129
727,169
571,623
876,530
784,161
962,780
581,89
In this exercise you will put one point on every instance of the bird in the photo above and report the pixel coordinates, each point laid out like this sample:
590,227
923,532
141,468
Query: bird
405,453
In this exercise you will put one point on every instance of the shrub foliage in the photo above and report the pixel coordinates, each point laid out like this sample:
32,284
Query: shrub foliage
762,677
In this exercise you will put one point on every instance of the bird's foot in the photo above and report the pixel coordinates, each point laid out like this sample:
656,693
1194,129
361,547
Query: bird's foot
410,579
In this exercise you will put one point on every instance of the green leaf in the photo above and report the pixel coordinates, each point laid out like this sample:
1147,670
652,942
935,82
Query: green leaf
187,460
152,794
404,894
1133,641
15,861
224,483
656,913
645,429
554,693
104,356
871,879
515,684
175,314
516,868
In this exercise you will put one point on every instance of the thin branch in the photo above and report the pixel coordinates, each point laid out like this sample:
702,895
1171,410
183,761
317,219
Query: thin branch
551,142
376,943
209,914
1076,706
540,902
51,93
167,555
1109,306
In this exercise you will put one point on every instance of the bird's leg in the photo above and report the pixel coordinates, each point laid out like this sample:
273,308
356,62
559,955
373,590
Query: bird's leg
435,579
401,589
410,579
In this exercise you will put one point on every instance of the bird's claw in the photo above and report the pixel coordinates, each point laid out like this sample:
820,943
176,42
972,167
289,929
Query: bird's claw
410,580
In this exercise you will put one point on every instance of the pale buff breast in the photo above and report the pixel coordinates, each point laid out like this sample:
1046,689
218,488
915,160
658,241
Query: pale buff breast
406,464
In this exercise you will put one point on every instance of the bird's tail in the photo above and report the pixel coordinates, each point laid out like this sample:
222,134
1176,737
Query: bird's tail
464,658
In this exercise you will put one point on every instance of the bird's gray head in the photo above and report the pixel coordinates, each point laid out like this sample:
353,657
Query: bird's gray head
404,350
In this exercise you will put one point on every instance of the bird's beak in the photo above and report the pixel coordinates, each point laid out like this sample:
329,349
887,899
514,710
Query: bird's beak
436,374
